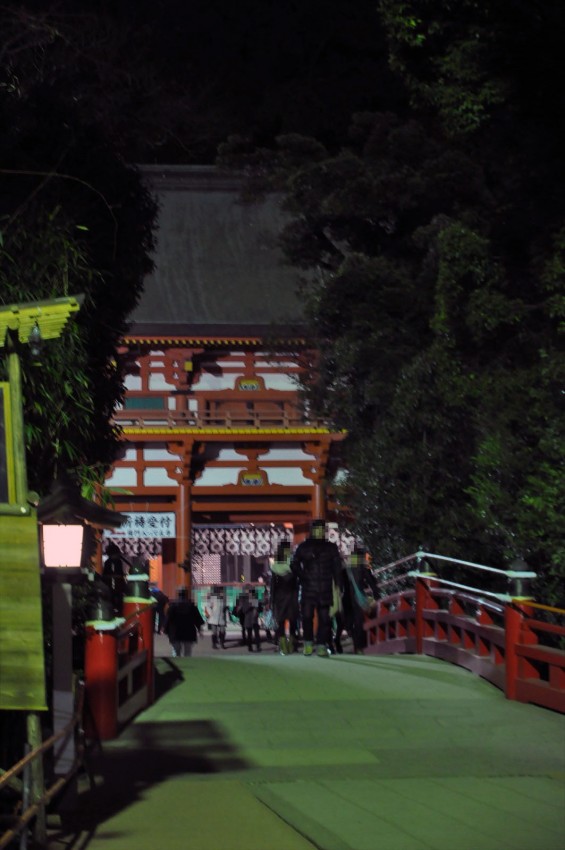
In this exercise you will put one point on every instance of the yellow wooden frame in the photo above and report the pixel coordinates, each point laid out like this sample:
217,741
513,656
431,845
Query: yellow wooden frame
49,316
9,444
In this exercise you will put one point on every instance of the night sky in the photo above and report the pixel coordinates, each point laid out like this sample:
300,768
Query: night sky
258,67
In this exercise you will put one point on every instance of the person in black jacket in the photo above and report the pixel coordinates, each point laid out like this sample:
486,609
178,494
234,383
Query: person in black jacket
183,624
284,593
161,602
114,575
359,588
251,608
317,565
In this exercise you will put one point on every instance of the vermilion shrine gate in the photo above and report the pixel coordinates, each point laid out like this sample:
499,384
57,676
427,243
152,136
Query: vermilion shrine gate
221,459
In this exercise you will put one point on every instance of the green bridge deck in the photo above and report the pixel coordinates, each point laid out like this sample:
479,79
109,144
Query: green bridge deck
261,752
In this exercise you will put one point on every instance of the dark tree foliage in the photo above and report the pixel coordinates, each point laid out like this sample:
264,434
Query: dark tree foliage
269,67
102,60
432,249
73,219
487,74
170,82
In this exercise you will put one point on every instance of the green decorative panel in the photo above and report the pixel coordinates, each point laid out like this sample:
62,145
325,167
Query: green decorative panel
146,402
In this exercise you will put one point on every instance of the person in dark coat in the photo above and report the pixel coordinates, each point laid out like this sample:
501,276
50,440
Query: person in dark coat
250,607
317,565
239,612
183,624
161,602
284,596
359,587
114,575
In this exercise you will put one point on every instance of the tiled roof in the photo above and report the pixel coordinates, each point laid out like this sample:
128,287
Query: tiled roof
217,263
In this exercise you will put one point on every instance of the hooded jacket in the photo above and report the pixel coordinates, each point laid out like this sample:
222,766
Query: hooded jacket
317,563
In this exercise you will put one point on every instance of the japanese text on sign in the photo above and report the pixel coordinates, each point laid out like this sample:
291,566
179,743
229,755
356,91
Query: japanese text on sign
146,524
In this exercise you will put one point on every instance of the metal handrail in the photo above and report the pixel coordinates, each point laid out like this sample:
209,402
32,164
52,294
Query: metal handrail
483,567
421,556
493,634
502,597
392,564
49,793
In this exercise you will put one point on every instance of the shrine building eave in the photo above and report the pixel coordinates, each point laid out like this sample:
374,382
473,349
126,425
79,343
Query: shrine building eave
209,336
235,433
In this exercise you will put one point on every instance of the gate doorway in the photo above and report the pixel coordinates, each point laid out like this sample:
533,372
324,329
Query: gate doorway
224,554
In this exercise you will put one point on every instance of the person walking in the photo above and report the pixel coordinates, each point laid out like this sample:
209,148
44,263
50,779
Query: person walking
318,568
284,596
251,608
217,609
183,624
114,575
238,613
359,590
161,602
266,617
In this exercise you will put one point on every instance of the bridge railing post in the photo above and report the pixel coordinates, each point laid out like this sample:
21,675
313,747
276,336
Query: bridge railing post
101,664
138,600
515,613
424,601
515,632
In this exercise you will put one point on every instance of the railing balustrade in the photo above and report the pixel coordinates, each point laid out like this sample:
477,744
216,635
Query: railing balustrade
500,636
496,635
118,672
192,419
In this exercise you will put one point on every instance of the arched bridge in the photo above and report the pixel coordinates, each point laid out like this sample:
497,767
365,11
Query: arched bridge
263,752
241,751
354,752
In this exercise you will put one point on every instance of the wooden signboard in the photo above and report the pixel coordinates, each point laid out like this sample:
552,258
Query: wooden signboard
22,671
22,668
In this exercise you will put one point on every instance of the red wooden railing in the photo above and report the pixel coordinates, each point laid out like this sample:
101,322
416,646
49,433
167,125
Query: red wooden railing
210,419
497,636
538,671
118,672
